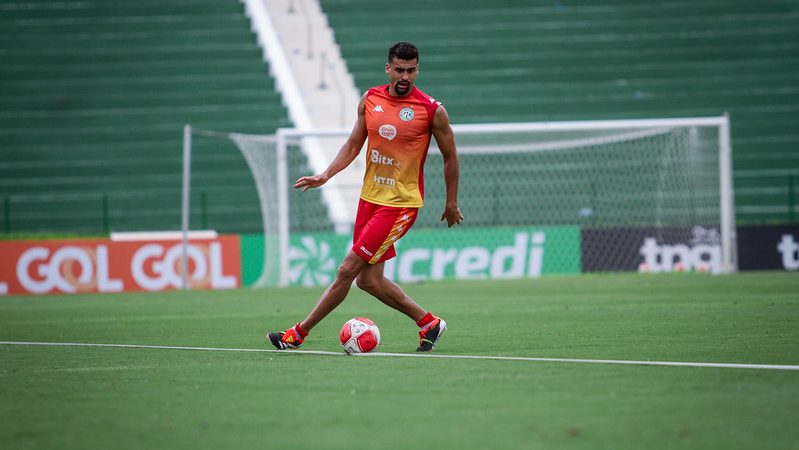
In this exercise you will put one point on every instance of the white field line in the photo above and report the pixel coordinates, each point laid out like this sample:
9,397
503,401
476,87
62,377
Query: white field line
423,355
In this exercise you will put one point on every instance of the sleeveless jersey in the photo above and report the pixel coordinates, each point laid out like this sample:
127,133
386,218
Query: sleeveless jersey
399,131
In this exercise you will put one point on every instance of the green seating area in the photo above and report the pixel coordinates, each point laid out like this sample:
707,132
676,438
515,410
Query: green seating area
93,99
516,60
94,95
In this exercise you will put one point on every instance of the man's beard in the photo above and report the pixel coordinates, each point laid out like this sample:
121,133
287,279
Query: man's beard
402,90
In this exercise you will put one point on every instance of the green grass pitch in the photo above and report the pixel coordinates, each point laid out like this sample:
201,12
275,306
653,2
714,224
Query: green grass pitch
125,398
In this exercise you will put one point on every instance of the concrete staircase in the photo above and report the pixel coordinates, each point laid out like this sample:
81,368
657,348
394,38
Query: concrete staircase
328,96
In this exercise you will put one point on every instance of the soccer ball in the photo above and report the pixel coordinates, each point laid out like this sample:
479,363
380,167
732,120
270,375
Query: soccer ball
359,335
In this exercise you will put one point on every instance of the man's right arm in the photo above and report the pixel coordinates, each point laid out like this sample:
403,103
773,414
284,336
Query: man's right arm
348,152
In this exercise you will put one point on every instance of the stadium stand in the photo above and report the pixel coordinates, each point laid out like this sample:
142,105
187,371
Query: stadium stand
516,60
93,95
93,99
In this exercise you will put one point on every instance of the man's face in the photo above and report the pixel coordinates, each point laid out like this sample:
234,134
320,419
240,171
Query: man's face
401,75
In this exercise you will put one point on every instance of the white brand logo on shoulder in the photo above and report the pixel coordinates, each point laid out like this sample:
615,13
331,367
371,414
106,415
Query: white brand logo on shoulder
388,131
378,108
406,114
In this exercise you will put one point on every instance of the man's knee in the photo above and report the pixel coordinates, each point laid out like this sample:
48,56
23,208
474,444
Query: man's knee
367,282
347,271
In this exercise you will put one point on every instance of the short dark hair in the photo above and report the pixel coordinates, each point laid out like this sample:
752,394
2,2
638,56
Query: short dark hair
403,50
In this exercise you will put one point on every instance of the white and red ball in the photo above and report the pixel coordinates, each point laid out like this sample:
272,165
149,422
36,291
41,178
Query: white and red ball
359,335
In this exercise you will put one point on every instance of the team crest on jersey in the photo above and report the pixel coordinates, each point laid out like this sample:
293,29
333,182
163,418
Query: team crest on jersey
406,114
388,131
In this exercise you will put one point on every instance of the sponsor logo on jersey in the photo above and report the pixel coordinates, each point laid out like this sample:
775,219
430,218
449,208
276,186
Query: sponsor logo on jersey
406,114
388,131
378,158
385,181
378,108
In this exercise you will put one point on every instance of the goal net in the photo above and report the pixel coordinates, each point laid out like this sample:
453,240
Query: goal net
650,195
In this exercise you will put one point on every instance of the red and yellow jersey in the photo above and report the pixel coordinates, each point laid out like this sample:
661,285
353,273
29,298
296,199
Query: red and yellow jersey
399,131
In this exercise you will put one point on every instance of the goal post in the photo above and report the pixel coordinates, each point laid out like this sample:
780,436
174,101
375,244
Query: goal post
691,139
652,195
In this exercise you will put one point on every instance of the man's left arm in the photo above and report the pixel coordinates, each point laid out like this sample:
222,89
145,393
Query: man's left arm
445,139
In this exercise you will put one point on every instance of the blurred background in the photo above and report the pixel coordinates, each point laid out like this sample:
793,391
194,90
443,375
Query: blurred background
94,93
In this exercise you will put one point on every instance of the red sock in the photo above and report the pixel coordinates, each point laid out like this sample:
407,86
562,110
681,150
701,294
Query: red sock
429,317
300,330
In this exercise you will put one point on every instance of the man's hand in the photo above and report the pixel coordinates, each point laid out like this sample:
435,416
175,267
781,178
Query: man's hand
453,215
311,182
345,156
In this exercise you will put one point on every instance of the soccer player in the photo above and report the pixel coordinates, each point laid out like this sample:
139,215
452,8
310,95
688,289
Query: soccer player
399,120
